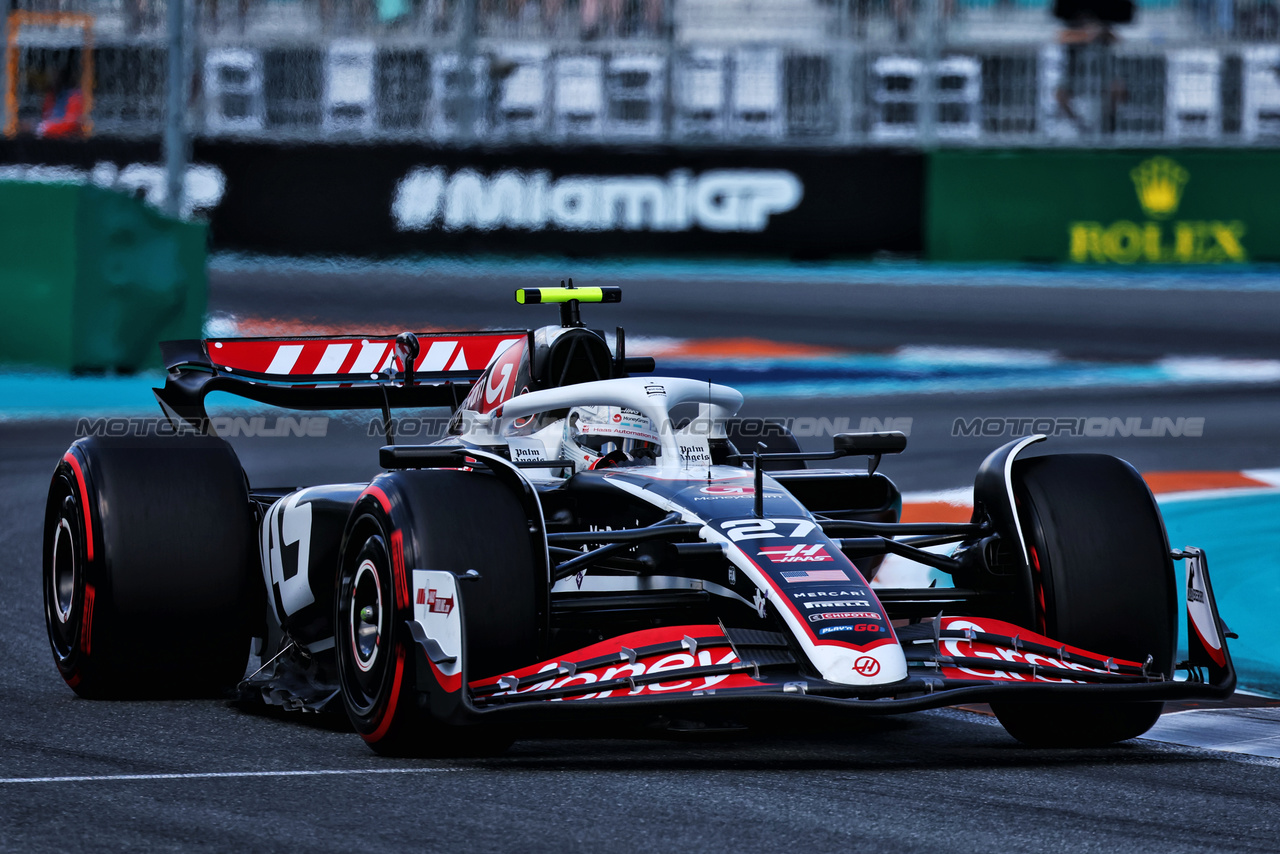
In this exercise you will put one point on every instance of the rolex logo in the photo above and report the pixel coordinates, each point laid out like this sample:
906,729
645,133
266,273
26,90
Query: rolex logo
1159,182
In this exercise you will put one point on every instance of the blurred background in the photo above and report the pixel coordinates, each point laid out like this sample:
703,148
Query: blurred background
812,73
793,128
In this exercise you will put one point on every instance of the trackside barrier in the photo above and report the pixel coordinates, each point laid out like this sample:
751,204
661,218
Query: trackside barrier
1074,207
1103,208
92,279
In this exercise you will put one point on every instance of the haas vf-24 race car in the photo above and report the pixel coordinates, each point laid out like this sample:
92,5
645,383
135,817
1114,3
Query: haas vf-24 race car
592,541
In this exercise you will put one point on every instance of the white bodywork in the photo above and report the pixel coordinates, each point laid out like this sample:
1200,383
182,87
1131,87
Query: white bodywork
653,396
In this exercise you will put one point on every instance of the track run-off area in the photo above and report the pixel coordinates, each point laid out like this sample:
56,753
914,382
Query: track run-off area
1177,373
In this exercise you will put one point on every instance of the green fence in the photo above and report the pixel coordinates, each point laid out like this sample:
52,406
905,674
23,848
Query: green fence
92,279
1112,207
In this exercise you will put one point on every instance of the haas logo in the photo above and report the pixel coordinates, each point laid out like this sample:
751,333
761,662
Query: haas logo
866,666
796,554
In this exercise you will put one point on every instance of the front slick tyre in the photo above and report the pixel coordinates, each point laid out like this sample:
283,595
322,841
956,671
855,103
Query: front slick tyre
454,521
381,694
1102,579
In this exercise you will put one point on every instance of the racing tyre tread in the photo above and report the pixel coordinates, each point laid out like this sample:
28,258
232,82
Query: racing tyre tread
1102,580
442,520
148,559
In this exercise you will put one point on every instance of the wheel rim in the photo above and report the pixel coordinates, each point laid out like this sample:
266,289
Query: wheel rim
66,571
364,625
365,616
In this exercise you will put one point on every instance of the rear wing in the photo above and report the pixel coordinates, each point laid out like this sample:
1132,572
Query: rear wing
326,372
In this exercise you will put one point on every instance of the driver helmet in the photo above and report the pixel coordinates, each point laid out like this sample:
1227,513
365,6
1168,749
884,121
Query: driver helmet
603,436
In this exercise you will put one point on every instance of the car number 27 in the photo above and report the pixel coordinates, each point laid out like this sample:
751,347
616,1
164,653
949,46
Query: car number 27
756,529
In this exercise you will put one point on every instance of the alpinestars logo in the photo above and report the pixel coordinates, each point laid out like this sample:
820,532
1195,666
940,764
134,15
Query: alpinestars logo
435,603
796,554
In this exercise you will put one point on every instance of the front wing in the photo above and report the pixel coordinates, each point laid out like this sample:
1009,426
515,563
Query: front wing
951,660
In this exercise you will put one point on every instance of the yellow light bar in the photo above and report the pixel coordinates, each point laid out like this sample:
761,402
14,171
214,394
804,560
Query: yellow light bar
530,296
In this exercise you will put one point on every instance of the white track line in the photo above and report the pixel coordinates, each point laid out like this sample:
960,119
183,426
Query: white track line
209,775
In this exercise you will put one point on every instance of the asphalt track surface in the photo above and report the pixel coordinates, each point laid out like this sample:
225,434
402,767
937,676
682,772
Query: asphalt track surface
202,775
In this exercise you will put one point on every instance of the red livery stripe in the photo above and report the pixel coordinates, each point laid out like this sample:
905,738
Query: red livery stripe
452,684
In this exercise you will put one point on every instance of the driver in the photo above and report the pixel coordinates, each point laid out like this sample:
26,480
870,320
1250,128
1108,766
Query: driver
602,436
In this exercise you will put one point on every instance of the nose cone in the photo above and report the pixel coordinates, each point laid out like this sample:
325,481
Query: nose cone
846,666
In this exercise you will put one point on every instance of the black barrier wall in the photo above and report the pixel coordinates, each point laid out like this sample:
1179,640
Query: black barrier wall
367,200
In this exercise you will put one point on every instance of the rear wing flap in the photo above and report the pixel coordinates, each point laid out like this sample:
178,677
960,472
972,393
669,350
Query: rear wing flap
326,372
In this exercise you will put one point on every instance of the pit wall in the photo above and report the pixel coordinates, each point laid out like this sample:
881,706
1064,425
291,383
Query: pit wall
1130,207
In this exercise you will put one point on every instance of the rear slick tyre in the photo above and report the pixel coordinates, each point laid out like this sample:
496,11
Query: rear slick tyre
1102,580
149,567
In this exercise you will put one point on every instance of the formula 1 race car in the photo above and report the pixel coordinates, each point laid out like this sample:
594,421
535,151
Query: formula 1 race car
595,541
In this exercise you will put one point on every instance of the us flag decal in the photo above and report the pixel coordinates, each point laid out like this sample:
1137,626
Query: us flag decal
796,554
795,576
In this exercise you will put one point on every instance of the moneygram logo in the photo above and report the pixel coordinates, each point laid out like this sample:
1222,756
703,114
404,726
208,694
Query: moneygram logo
1159,183
728,490
796,554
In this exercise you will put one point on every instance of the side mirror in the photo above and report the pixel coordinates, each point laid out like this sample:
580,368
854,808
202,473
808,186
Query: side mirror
870,444
874,445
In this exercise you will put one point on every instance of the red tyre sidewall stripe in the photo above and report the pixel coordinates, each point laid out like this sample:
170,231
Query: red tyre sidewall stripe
389,713
397,571
1042,616
86,628
71,460
380,495
401,585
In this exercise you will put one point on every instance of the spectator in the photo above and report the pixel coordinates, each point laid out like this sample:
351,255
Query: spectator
62,116
614,18
241,14
1088,66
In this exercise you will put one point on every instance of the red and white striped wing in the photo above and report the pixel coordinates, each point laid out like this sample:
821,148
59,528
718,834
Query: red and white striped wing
285,357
